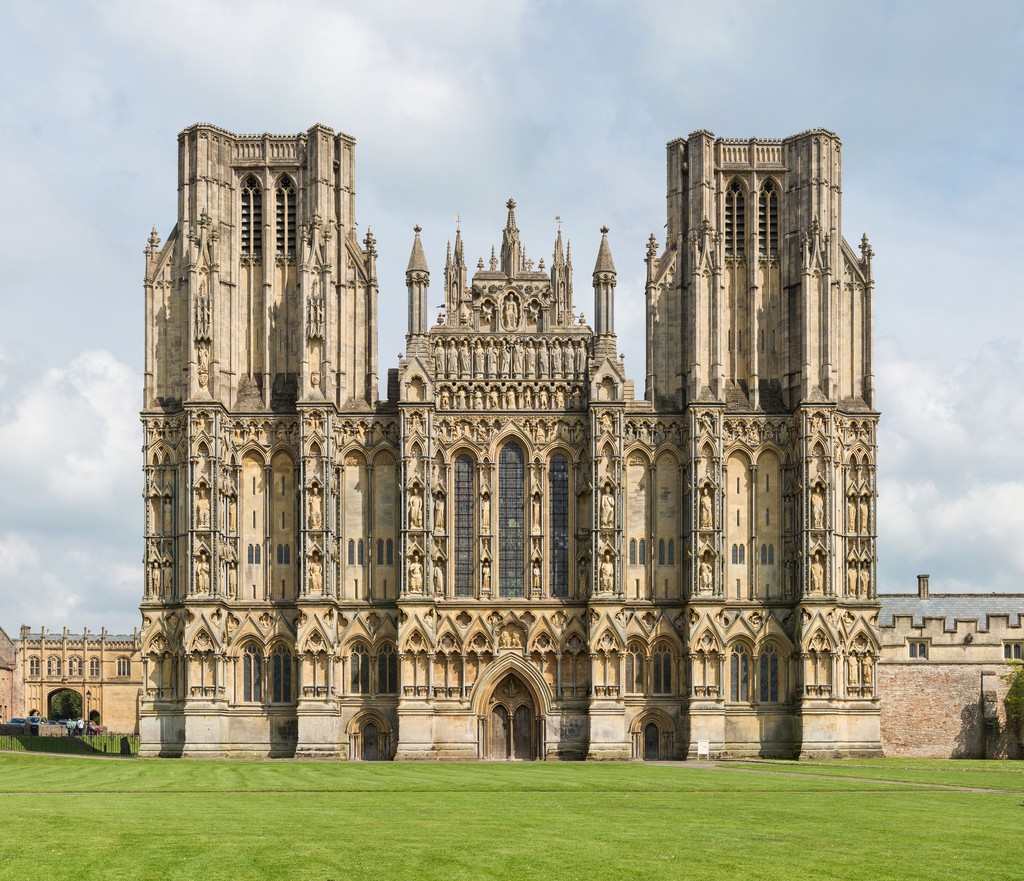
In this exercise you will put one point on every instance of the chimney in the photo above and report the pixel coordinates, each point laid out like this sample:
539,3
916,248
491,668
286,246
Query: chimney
922,587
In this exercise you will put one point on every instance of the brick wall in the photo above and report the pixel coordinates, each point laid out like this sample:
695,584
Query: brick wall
935,711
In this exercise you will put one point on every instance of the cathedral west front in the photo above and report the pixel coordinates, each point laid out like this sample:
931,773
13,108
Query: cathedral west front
517,554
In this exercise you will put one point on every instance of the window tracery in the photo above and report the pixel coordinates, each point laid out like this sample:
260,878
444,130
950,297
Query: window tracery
511,514
252,217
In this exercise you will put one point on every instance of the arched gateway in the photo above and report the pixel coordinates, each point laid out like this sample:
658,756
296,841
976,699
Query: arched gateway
511,728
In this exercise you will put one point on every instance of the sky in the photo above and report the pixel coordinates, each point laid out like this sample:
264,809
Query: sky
565,106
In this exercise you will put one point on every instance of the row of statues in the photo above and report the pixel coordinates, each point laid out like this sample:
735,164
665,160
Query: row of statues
511,359
481,397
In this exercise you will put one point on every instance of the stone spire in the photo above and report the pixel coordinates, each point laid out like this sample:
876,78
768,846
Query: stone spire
455,277
604,290
511,249
561,283
417,278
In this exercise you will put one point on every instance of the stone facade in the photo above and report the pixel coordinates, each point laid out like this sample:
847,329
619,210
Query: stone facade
512,556
105,669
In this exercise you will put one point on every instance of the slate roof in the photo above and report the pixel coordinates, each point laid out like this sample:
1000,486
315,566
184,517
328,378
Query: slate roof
952,606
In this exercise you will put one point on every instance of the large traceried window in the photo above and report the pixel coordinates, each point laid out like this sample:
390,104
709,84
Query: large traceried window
252,674
94,666
768,221
511,520
284,197
558,524
661,670
53,666
735,220
464,526
124,667
739,674
281,661
252,217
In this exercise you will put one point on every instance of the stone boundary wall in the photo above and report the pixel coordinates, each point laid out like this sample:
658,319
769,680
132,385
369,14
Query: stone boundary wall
937,711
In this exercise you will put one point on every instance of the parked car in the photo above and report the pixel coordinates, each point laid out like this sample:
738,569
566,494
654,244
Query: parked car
17,722
36,720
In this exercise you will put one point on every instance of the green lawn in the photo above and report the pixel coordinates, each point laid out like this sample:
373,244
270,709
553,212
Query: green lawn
179,819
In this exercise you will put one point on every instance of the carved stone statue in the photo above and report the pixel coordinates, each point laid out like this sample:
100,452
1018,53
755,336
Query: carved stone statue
705,575
485,576
536,577
866,673
817,574
817,508
203,508
851,580
415,511
203,574
851,514
439,512
865,582
535,512
583,583
607,508
316,575
485,513
705,509
438,578
865,525
511,314
415,575
315,519
453,361
607,574
465,369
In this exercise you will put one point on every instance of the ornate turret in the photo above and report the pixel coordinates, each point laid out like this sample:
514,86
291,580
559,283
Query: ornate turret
455,276
604,296
417,278
511,249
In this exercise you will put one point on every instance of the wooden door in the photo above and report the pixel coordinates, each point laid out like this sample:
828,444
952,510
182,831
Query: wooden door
651,736
371,743
499,733
522,726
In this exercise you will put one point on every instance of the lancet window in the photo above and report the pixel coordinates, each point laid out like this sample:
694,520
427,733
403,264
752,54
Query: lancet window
739,674
360,665
281,661
558,520
661,670
735,220
252,217
769,674
464,516
284,197
252,674
512,515
387,670
768,220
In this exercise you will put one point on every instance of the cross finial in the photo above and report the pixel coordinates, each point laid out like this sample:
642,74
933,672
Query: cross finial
604,230
417,229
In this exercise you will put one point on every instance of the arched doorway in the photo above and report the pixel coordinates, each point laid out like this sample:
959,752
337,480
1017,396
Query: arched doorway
512,721
652,736
64,703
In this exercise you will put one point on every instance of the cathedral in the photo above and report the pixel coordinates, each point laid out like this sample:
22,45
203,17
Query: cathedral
514,556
